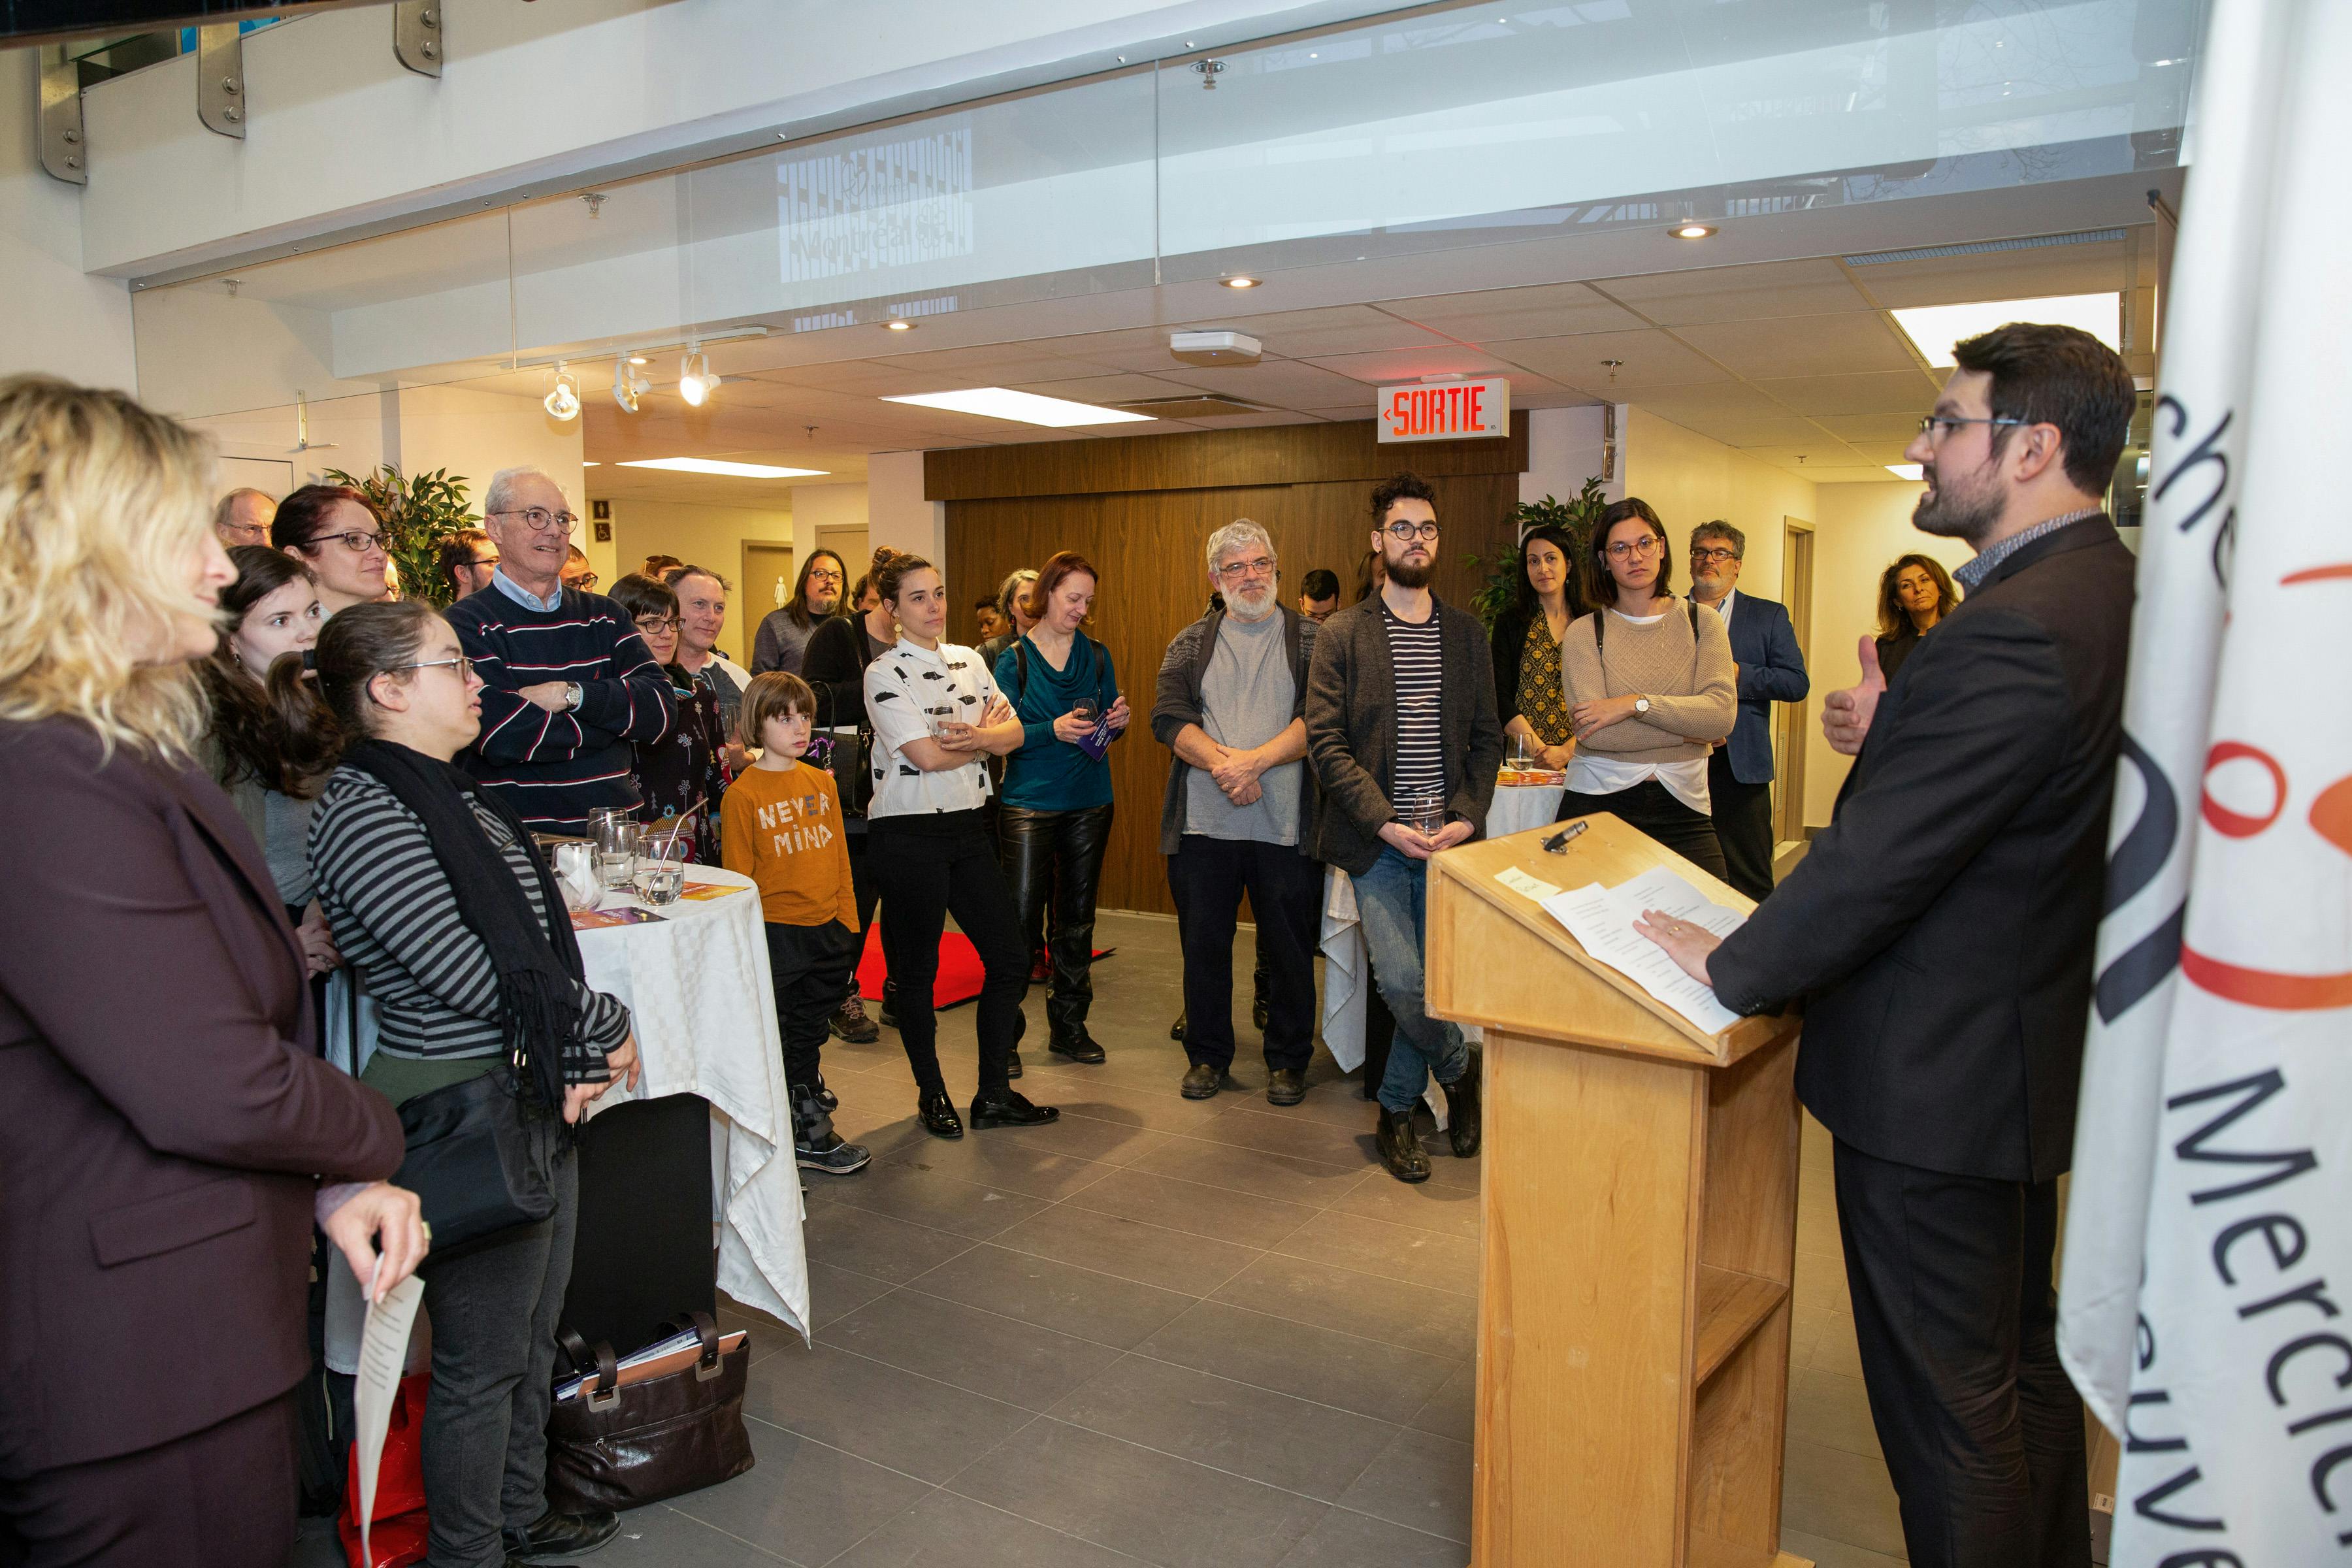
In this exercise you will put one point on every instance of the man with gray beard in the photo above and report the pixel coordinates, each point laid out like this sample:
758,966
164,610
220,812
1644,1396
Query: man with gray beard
1231,703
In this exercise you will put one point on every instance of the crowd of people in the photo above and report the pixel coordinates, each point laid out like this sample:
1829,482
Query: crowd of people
251,765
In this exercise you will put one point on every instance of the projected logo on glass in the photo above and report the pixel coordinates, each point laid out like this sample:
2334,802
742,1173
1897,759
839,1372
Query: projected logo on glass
863,209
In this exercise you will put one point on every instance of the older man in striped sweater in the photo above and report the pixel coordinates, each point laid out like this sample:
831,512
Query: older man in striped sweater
569,684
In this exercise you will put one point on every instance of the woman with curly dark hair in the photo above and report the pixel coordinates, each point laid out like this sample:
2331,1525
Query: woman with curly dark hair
1913,595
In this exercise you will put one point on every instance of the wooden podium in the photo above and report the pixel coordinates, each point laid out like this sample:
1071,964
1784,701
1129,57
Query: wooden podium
1640,1201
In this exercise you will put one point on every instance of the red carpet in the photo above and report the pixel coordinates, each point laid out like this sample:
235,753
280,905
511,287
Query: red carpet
959,970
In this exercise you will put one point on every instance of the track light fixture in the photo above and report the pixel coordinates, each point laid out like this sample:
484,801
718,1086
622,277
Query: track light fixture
563,403
628,383
695,380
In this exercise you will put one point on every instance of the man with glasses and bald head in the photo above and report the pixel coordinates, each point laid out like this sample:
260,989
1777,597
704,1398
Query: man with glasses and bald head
569,684
1230,702
243,517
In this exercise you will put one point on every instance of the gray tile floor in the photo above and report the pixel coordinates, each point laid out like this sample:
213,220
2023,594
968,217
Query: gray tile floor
1164,1331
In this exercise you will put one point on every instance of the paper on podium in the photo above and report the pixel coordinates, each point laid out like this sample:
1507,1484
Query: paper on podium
383,1355
1602,919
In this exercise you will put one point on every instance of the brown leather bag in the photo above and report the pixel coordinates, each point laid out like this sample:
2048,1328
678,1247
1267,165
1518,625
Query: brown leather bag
622,1443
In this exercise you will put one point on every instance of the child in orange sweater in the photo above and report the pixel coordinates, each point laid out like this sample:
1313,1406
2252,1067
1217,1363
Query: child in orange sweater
779,825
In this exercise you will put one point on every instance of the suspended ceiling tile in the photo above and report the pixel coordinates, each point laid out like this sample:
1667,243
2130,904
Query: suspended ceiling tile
1542,395
1866,475
1551,309
2000,275
1897,427
1106,389
1785,430
986,365
1881,451
1808,455
1412,365
856,378
1882,392
1842,344
1278,382
1338,330
1810,287
1249,421
1706,401
1651,359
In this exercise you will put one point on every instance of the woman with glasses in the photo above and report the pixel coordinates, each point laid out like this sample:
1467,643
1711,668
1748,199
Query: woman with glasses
1650,685
1053,824
1913,595
163,1115
334,530
685,770
440,899
1527,646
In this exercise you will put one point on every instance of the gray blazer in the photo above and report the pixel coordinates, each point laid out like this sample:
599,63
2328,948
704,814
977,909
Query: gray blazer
1351,728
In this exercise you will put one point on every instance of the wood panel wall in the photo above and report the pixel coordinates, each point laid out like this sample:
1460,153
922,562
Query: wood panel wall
1148,546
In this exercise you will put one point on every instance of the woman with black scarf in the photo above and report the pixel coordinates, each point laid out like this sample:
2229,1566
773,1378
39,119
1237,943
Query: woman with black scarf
437,896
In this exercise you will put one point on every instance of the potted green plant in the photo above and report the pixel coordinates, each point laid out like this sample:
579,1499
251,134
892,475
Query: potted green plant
418,513
1575,518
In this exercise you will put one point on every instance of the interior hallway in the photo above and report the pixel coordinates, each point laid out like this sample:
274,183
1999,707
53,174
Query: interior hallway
1164,1331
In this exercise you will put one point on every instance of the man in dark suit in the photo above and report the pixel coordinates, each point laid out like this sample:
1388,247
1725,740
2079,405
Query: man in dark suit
1771,669
1940,932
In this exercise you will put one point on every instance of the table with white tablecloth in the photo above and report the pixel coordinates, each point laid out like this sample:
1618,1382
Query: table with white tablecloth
1346,965
698,988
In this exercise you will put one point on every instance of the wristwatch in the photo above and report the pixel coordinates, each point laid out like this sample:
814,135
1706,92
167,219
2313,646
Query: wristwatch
572,696
1641,704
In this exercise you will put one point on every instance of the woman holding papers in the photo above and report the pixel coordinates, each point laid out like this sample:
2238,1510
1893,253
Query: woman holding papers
1649,684
165,1121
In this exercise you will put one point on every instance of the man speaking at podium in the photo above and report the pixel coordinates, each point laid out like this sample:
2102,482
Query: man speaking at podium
1940,935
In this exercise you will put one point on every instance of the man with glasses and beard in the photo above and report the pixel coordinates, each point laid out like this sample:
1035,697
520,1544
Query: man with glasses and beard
1940,932
1231,703
782,642
1406,739
568,684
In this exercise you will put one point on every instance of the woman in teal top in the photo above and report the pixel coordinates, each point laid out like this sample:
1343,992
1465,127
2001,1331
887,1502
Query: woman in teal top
1053,820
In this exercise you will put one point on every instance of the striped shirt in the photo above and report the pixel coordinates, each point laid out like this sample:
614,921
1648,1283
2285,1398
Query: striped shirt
395,920
1417,657
555,768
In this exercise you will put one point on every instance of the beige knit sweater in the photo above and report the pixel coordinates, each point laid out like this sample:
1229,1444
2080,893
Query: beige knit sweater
1692,686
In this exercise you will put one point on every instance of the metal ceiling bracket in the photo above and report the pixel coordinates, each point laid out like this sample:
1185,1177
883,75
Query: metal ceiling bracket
416,35
220,79
63,153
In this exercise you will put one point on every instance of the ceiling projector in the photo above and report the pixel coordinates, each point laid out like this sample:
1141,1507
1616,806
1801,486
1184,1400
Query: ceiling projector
1215,348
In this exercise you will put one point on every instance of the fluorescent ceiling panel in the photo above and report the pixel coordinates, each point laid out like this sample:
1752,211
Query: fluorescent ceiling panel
732,471
1934,329
1906,472
1025,407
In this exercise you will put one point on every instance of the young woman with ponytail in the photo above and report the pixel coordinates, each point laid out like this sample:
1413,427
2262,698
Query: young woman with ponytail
439,899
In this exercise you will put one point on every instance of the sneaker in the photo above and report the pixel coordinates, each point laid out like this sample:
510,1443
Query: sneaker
851,1023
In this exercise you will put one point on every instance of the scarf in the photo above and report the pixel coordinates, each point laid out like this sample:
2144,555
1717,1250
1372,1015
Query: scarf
538,964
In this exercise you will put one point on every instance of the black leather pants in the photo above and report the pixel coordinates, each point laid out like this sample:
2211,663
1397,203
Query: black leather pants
1058,854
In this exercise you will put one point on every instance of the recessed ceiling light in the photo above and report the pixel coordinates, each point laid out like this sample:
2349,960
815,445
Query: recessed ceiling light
1693,230
1025,407
1906,472
898,326
1934,329
730,471
1240,281
638,359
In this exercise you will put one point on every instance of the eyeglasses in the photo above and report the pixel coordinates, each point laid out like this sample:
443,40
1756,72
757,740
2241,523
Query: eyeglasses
656,623
357,541
1406,533
1646,546
586,580
1927,425
821,576
1235,570
539,520
1713,557
461,664
483,561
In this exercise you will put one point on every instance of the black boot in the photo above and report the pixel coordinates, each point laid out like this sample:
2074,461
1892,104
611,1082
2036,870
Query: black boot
815,1145
1399,1146
1461,1128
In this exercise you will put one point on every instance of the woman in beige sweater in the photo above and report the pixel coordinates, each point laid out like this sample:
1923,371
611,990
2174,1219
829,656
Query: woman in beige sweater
1651,686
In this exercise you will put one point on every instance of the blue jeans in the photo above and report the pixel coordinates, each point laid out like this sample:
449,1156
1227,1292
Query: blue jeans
1391,899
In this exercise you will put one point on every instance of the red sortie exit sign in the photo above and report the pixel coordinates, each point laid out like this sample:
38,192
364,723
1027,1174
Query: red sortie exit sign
1446,410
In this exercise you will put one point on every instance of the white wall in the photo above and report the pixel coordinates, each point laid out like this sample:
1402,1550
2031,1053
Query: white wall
52,318
1689,478
1862,529
898,515
709,536
1564,449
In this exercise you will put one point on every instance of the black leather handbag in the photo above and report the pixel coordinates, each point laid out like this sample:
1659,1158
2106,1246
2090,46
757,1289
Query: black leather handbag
622,1445
477,1159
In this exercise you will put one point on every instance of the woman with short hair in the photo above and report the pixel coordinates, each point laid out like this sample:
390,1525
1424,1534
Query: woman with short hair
935,714
1914,593
686,770
165,1120
440,899
1649,684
